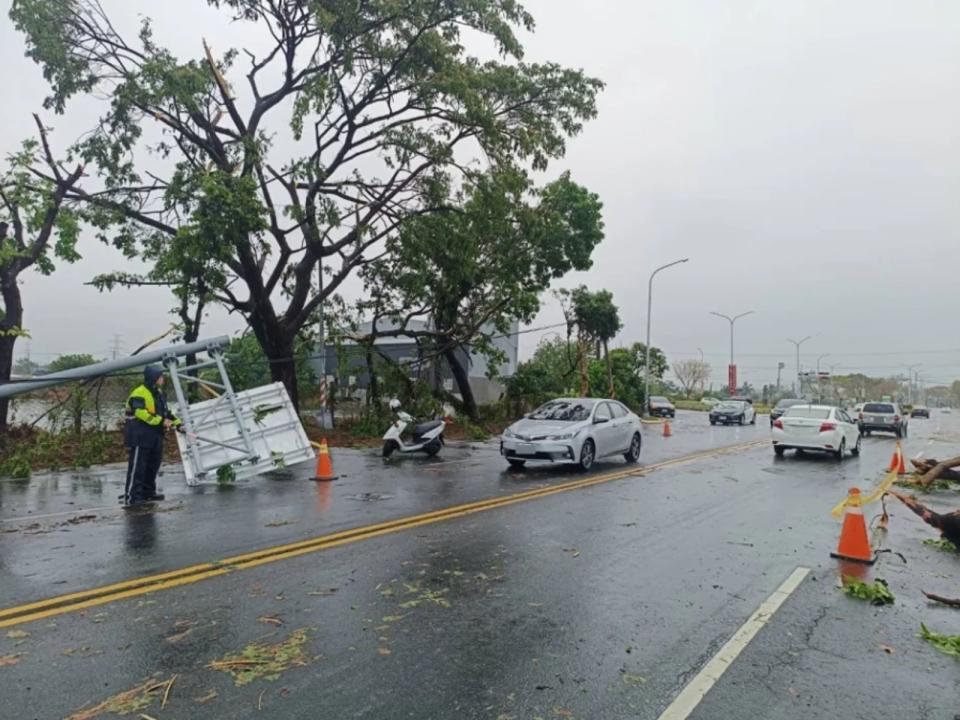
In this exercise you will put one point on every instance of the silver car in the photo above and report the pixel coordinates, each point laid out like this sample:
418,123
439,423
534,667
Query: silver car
573,430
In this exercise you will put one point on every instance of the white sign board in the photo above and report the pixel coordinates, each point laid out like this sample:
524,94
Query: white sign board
276,436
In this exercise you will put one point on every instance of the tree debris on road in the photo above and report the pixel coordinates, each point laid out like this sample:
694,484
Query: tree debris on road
947,523
948,644
877,593
952,602
933,470
265,661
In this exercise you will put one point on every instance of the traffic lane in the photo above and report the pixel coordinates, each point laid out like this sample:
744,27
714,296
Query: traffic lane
599,602
50,495
825,654
43,555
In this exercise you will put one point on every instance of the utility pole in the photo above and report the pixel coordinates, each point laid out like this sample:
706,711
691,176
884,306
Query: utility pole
819,381
732,369
798,343
115,347
780,367
646,368
323,416
911,370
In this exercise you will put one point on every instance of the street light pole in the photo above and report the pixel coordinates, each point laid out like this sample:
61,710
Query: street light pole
798,343
646,368
731,320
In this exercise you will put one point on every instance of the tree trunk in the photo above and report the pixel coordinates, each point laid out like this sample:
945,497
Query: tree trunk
277,346
373,398
606,355
462,380
6,368
10,326
582,362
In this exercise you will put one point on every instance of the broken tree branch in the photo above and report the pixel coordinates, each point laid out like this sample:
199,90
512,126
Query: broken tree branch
952,602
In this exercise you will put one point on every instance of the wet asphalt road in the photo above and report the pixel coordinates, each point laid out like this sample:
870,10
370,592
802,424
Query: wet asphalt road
601,602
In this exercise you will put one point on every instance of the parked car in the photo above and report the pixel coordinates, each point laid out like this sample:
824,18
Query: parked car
781,407
883,417
662,407
733,412
920,412
816,427
709,401
573,430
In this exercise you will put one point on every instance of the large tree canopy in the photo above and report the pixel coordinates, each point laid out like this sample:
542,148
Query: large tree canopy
476,269
35,227
351,118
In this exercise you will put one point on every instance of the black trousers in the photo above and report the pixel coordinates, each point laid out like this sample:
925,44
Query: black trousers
143,464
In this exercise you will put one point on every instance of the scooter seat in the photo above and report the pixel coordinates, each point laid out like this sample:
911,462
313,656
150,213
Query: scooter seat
423,428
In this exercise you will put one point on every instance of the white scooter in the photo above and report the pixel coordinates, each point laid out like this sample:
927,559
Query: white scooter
427,436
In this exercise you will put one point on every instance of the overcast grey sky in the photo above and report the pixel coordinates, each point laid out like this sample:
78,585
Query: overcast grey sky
804,155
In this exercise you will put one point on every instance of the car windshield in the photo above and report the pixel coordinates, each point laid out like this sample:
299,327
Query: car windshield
730,406
878,408
564,410
658,399
808,412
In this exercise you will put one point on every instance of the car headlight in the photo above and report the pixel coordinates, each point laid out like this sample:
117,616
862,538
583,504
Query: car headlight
564,436
508,433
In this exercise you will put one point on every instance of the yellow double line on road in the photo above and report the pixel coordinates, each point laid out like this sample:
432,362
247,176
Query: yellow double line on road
85,599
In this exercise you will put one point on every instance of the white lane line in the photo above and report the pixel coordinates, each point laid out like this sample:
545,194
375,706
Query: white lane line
688,699
78,511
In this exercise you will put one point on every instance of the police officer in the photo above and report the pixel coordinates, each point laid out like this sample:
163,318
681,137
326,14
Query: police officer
147,418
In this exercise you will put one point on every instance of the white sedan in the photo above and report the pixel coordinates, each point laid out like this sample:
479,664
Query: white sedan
816,427
573,430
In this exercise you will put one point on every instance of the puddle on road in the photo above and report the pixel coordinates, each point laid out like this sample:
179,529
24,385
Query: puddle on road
370,497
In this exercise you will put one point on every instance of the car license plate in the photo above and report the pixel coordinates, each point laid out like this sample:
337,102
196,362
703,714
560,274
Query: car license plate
526,449
877,419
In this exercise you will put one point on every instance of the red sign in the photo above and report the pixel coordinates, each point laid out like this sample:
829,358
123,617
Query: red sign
732,379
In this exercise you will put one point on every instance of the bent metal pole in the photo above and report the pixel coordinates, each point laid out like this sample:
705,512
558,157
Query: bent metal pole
18,387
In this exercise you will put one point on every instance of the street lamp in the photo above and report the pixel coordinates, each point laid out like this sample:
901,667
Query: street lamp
646,369
798,343
731,379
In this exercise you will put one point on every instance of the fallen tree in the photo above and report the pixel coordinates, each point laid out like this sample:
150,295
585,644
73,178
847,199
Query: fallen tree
933,470
947,523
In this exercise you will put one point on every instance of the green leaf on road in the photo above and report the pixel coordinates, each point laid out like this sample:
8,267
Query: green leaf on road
877,593
948,644
257,661
941,544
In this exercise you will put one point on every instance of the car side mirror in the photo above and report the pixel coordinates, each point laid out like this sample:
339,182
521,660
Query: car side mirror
597,421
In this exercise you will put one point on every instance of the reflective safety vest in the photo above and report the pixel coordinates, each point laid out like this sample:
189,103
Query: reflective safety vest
145,412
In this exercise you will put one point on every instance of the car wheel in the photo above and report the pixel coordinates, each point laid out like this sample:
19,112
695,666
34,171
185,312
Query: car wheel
713,422
841,451
588,454
753,420
516,464
856,448
741,421
899,433
633,454
778,451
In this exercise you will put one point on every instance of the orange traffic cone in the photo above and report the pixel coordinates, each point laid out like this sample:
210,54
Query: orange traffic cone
894,459
854,542
901,466
667,432
324,466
